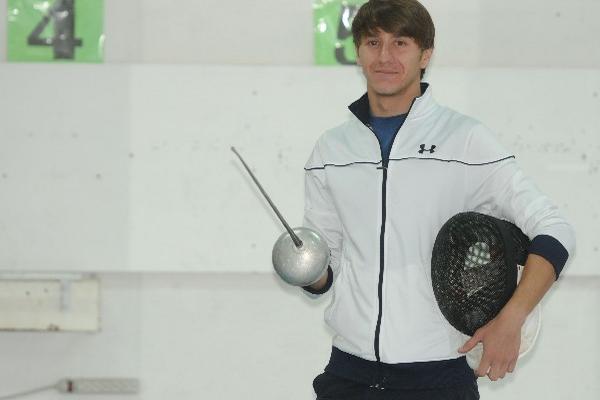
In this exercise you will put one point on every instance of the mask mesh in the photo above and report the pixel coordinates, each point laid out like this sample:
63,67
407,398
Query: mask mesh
474,268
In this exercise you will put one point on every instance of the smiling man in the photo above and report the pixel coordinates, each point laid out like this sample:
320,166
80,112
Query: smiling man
378,188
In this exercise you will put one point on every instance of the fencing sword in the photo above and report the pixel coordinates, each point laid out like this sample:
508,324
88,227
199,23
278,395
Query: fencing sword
300,255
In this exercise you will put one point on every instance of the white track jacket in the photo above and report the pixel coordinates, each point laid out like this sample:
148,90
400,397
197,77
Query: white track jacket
381,218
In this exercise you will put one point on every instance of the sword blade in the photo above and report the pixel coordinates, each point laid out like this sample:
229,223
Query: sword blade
295,237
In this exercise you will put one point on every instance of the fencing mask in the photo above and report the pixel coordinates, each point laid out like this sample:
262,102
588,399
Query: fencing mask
475,268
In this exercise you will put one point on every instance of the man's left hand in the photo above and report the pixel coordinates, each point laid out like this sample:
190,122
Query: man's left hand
501,338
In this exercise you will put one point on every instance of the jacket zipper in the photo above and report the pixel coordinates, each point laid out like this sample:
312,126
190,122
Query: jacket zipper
384,167
381,256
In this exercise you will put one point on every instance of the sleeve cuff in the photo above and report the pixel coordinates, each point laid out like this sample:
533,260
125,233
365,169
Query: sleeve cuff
552,250
325,288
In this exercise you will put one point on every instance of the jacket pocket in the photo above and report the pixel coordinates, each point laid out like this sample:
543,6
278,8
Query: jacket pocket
338,290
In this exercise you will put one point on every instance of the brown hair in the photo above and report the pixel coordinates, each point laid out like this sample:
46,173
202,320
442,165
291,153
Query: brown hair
401,17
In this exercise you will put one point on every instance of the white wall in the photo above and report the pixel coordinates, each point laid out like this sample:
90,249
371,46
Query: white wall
104,177
234,336
139,174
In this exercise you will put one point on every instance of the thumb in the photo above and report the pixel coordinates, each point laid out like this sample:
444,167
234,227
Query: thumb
470,343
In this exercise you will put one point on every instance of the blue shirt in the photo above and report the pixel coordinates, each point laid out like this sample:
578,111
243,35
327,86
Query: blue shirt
385,129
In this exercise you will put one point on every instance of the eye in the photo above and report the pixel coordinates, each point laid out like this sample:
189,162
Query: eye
401,43
372,42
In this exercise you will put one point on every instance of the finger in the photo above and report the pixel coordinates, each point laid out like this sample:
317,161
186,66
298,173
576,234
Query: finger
484,366
482,371
493,373
470,343
512,365
498,371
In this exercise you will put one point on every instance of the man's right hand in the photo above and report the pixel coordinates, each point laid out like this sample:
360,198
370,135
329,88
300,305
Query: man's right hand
320,284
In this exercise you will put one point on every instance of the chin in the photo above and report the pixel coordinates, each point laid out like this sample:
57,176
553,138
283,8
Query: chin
388,91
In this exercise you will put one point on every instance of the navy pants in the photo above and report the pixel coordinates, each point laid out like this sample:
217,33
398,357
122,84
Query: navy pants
330,387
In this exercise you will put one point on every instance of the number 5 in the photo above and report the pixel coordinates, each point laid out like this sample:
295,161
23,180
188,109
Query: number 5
344,31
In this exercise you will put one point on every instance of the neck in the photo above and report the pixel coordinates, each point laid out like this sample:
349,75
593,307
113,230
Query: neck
396,104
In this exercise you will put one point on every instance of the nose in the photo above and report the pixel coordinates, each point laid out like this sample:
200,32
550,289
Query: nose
385,52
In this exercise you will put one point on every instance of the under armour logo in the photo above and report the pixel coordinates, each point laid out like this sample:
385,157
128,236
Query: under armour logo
423,149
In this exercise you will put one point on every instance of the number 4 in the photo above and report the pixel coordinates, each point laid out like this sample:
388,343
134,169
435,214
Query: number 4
63,42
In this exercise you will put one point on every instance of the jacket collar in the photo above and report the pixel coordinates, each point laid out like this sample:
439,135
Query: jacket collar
420,106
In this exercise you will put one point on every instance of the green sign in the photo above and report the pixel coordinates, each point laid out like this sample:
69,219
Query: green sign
55,30
333,31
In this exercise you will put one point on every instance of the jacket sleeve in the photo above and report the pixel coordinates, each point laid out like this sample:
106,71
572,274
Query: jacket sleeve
499,188
320,214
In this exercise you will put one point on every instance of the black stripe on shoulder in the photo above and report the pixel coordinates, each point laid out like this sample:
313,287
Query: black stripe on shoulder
344,165
410,158
449,161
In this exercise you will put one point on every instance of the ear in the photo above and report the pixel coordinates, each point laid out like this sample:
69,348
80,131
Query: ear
425,58
358,61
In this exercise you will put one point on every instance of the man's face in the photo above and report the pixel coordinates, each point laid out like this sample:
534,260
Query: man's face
391,64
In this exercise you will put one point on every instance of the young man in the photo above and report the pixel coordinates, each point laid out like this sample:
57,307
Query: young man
378,188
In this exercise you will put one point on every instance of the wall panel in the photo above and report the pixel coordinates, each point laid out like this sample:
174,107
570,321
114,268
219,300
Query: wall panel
139,174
